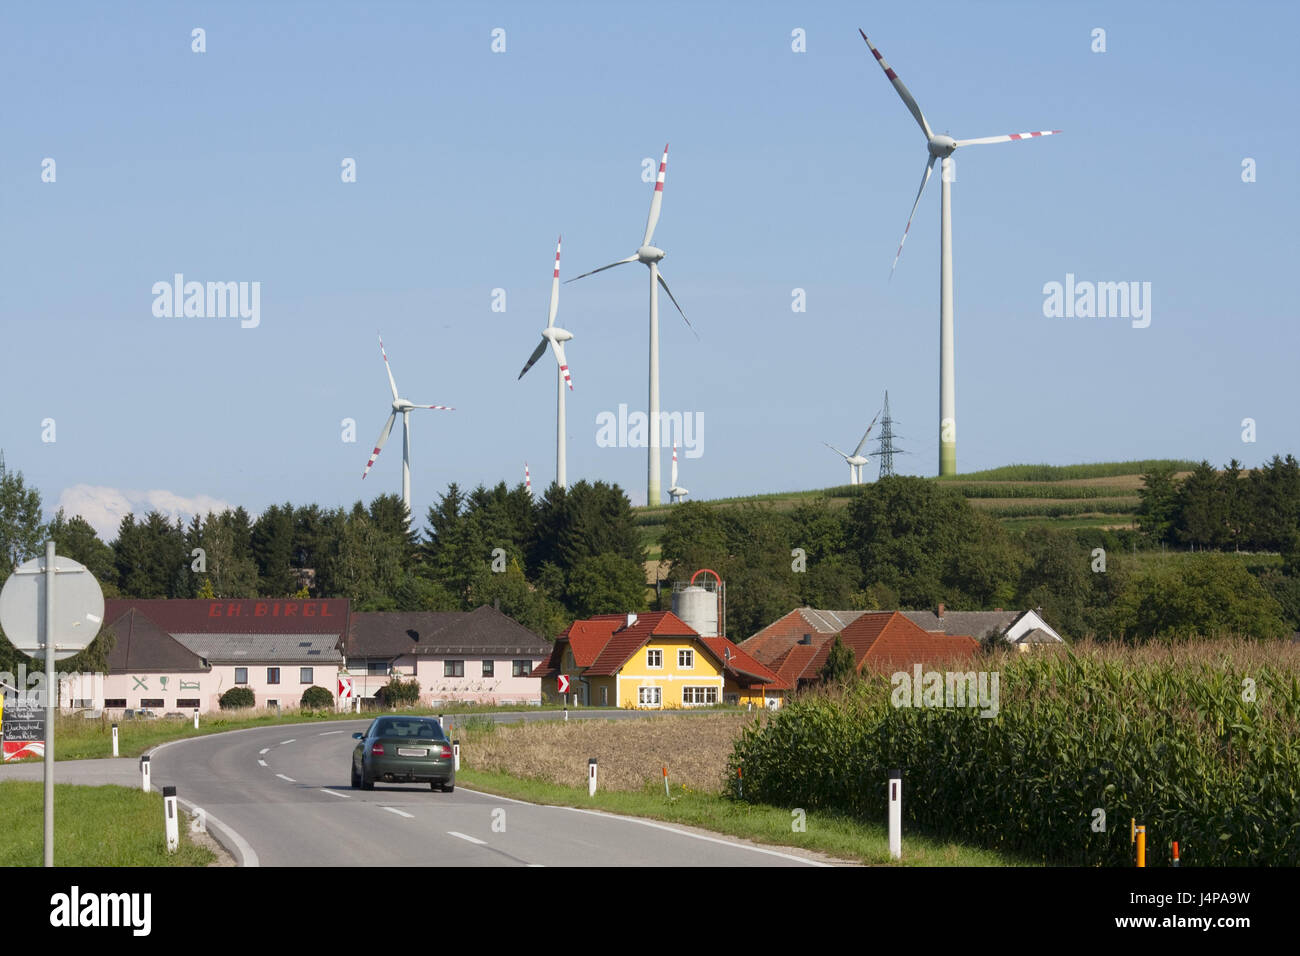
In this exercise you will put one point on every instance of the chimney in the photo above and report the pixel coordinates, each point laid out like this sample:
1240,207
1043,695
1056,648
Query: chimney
631,619
940,611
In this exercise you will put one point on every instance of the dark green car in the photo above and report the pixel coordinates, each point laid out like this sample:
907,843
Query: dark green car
403,750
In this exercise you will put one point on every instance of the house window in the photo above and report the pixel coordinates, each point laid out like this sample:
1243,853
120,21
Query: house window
604,697
241,675
649,696
453,668
147,702
304,675
686,659
189,703
273,675
522,668
115,702
654,658
568,660
377,668
489,668
695,696
273,703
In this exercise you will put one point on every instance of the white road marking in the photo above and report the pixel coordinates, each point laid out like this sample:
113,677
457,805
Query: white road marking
262,762
464,836
264,750
289,741
328,732
248,856
400,813
283,777
536,865
333,793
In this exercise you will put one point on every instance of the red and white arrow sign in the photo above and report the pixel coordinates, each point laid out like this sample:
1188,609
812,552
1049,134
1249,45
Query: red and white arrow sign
345,687
564,683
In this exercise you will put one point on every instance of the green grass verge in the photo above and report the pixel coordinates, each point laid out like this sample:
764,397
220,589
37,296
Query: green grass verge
93,826
848,839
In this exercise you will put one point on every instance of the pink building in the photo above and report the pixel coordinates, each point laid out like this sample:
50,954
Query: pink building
480,655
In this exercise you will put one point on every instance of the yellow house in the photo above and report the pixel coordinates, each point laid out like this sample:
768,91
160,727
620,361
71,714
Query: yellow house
650,661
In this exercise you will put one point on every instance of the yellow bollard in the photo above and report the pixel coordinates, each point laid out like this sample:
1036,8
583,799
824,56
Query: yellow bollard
1142,845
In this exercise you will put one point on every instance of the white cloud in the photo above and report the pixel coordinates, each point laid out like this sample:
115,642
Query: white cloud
104,508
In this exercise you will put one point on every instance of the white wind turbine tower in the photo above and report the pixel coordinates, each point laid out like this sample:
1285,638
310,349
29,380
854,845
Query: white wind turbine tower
403,406
941,147
556,337
528,480
857,459
650,256
675,493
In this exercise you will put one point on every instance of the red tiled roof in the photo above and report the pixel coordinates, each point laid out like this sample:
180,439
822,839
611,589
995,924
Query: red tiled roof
142,646
778,637
260,616
793,665
739,662
888,641
625,642
587,638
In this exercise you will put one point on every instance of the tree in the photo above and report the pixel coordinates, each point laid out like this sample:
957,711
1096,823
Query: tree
1158,508
838,668
1200,513
151,558
76,539
22,533
606,583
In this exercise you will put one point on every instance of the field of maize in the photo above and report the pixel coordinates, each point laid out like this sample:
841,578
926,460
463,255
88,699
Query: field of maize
1200,742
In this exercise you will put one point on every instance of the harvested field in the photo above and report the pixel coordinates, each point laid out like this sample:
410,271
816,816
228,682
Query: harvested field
629,753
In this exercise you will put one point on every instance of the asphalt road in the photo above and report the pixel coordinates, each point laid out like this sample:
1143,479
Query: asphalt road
281,796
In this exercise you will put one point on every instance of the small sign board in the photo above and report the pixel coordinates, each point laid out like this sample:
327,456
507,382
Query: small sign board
345,687
22,727
563,683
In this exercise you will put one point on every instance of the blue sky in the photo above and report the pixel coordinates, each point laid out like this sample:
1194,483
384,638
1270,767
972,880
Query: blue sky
787,170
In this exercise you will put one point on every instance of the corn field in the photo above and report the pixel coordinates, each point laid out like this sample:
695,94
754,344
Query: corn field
1200,742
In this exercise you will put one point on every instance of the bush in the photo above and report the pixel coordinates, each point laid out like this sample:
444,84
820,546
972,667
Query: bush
238,698
399,693
316,698
1164,734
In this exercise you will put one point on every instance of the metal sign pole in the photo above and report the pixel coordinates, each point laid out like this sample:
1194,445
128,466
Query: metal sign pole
48,640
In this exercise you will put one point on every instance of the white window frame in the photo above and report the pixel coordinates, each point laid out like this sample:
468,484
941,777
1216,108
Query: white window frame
690,659
701,690
650,654
645,691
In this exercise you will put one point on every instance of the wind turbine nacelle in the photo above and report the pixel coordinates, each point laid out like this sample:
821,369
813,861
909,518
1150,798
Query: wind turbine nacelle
649,254
402,405
856,460
558,334
942,146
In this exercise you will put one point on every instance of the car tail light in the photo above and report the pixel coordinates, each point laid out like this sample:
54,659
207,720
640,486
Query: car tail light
446,751
377,749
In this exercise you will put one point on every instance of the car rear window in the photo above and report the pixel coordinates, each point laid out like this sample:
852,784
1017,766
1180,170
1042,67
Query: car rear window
415,728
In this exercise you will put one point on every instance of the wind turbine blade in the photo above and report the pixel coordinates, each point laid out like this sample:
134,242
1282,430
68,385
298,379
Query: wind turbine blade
656,200
836,450
1009,138
929,168
379,445
441,408
673,483
558,349
679,308
532,359
555,290
857,451
386,368
631,258
908,100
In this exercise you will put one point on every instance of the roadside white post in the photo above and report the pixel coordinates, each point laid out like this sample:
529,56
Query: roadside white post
455,754
115,740
896,814
144,773
196,718
566,711
591,777
169,809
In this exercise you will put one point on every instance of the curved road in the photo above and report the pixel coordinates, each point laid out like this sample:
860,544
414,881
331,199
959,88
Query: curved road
286,794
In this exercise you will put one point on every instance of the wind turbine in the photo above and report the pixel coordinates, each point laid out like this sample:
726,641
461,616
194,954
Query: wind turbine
403,406
675,494
857,459
528,480
650,256
942,147
556,337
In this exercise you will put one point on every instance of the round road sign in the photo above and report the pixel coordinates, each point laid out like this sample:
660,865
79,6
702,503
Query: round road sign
78,607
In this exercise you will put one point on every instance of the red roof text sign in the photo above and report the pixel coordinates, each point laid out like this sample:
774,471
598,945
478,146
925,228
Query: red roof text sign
563,683
345,687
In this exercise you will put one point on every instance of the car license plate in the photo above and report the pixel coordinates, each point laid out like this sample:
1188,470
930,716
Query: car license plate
412,752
